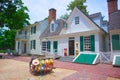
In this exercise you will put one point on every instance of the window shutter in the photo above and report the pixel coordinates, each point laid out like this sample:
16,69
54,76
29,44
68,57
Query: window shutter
31,30
48,46
81,43
116,42
55,46
30,44
92,39
34,44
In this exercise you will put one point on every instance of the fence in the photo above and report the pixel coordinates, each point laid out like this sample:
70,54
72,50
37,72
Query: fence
105,57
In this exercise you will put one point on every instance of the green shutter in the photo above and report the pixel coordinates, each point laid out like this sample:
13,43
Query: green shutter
81,43
116,42
55,46
92,40
30,44
31,30
48,46
34,44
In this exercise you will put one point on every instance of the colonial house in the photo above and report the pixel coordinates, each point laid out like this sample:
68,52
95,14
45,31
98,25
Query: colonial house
78,34
27,39
114,30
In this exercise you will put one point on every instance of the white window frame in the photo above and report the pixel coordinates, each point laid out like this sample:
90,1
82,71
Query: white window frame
77,20
52,27
87,43
44,47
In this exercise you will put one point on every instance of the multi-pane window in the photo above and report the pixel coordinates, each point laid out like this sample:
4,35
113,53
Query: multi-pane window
33,44
77,20
33,30
87,43
52,27
44,46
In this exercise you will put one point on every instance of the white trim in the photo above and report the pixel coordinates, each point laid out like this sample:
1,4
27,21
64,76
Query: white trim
76,57
114,59
95,60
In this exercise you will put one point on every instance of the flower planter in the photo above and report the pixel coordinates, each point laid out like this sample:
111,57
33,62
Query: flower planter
41,66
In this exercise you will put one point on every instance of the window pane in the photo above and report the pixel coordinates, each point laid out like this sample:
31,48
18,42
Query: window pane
35,29
76,20
52,27
87,44
44,46
31,30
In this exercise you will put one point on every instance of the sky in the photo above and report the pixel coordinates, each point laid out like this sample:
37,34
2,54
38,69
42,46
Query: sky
38,9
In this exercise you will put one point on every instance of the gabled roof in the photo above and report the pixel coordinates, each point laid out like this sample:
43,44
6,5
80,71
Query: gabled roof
47,32
95,15
114,23
87,17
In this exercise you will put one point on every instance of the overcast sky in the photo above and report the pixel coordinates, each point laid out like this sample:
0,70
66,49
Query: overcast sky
38,9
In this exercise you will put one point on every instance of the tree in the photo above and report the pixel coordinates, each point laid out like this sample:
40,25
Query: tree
8,39
79,4
65,16
15,14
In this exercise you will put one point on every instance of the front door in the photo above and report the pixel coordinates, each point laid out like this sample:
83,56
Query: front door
25,48
71,46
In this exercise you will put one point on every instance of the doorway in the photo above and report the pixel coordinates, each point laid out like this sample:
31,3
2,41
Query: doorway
71,46
25,48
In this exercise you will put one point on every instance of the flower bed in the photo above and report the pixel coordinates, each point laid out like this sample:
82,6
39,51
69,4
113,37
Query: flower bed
41,65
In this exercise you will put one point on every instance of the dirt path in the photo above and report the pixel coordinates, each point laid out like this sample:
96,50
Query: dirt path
18,70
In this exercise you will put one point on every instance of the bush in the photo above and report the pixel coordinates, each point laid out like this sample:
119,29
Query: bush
5,51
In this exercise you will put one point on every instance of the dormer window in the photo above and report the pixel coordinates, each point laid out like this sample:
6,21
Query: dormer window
65,25
52,27
33,30
77,20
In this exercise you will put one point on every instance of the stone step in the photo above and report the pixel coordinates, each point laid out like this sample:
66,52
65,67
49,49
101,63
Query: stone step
67,59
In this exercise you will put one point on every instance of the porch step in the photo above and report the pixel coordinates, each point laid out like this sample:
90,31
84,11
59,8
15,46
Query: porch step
67,58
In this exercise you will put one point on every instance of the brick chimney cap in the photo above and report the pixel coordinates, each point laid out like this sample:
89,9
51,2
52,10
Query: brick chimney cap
52,9
111,0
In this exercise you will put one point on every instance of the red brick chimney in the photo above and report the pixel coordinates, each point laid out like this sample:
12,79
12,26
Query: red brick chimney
52,15
112,6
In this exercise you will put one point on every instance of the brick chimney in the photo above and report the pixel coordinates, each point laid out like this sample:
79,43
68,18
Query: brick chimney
112,6
52,15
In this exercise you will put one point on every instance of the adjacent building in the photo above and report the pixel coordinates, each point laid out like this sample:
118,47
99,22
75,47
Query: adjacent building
27,39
